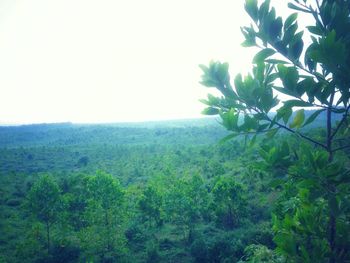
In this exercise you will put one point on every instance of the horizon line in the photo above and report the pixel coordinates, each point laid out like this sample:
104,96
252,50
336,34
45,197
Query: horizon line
8,124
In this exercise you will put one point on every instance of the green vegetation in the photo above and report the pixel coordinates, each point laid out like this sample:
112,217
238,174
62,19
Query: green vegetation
172,194
155,201
310,221
188,191
44,203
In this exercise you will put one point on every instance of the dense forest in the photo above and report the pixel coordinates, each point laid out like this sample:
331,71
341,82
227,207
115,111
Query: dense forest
169,192
151,192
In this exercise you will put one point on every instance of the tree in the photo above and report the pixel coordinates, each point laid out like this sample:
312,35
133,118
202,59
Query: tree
311,74
105,214
230,203
186,202
151,203
44,201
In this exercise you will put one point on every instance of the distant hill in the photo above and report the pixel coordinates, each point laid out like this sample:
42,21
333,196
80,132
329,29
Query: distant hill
197,131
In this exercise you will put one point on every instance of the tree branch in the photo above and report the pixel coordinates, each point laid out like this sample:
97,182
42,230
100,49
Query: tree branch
341,148
341,122
297,133
318,4
329,128
290,130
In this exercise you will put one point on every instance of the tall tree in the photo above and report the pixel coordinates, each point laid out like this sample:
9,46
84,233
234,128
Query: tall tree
229,201
150,204
105,213
186,202
311,74
44,201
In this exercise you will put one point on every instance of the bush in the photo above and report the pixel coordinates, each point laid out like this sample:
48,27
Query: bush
225,248
260,253
64,254
13,202
199,250
153,253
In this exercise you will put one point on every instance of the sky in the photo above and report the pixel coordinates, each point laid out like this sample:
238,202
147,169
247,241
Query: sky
97,61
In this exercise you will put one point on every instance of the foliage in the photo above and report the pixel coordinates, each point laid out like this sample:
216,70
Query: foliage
175,181
104,237
186,214
229,201
44,202
186,201
259,254
151,204
313,76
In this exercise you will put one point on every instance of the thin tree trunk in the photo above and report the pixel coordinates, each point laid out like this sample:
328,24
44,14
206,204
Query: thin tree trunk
48,236
332,218
108,231
332,233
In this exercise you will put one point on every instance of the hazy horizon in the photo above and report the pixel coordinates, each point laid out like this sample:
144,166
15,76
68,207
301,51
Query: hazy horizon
201,117
113,61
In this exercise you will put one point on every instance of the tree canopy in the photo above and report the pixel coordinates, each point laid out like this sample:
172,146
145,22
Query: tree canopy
310,68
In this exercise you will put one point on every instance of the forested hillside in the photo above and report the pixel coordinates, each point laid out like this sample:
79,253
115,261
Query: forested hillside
184,196
151,192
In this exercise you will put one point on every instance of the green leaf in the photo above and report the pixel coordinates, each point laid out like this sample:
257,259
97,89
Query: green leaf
276,61
330,38
295,7
248,43
313,116
262,55
276,28
228,138
212,99
298,119
251,6
264,154
295,49
286,242
297,103
289,77
306,85
315,30
271,133
239,85
222,72
208,82
250,123
264,9
271,78
205,102
252,141
285,113
307,184
289,33
210,111
249,35
230,120
321,159
290,20
262,127
281,47
204,68
285,91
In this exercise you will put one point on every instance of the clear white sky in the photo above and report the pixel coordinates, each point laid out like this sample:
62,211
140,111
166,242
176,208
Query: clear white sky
113,60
